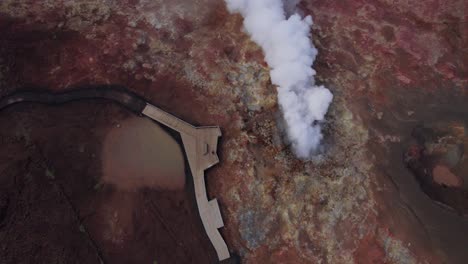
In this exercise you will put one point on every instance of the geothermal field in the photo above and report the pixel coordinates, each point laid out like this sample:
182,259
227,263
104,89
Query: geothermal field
234,131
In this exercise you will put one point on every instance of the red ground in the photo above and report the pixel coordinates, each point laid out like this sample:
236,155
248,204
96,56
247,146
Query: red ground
391,65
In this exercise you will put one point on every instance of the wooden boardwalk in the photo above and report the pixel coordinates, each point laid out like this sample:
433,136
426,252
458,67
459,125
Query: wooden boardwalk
200,145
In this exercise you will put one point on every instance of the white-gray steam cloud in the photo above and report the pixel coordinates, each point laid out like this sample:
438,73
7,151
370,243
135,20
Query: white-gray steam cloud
290,54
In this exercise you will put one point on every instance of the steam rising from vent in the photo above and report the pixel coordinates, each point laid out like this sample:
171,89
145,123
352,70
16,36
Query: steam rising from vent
290,54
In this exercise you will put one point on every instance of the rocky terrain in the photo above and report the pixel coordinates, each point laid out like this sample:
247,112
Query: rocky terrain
393,66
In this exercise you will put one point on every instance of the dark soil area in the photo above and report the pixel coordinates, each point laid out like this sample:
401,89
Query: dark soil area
427,167
54,208
436,157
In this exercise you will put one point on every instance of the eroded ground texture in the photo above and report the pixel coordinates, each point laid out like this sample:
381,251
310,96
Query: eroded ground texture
394,66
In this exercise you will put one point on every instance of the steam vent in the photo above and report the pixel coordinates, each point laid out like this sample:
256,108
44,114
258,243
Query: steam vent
234,131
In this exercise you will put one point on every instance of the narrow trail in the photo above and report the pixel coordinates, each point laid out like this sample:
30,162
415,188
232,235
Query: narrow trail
118,94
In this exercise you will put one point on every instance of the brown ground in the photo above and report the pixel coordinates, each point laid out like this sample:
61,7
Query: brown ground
391,64
138,153
55,208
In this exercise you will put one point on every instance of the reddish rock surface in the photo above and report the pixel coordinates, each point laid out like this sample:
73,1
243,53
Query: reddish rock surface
443,176
392,65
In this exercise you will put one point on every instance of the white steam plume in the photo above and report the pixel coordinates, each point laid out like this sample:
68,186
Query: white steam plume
290,54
